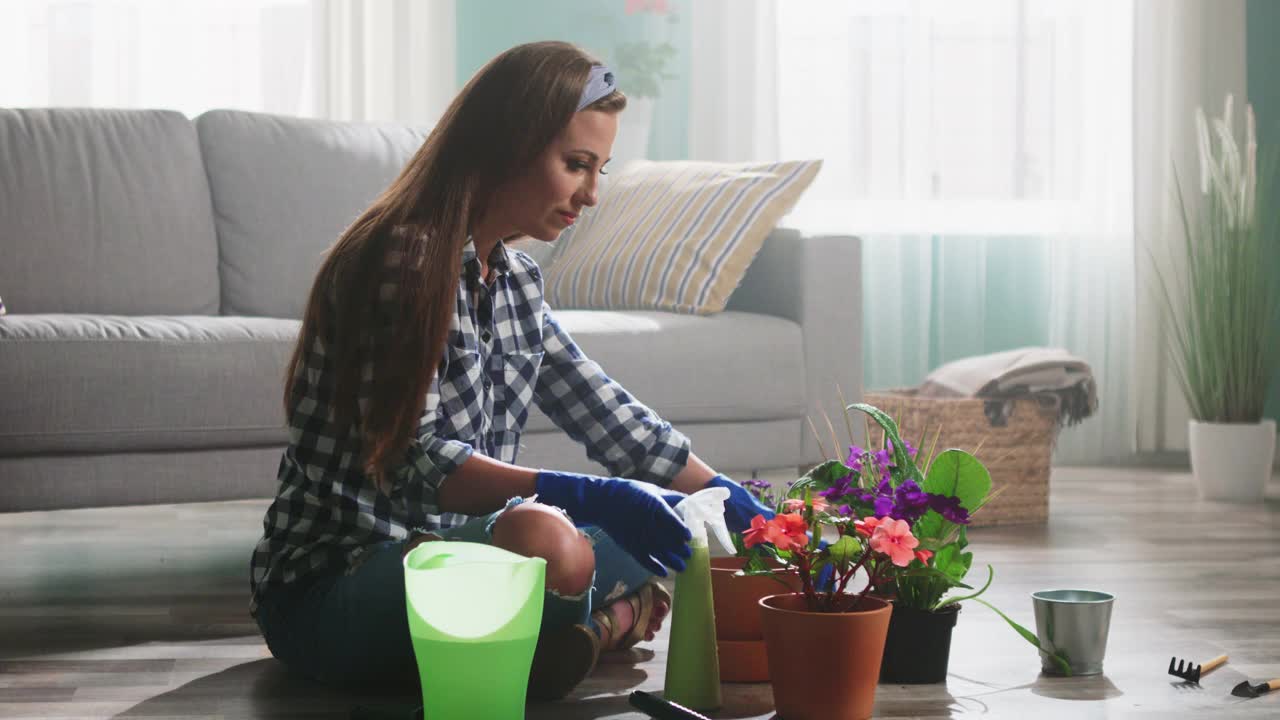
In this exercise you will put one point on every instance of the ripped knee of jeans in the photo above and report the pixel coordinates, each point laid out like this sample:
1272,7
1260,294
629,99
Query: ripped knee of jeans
488,526
574,597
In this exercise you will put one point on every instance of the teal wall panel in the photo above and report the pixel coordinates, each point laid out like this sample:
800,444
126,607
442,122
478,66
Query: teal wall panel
1262,56
487,27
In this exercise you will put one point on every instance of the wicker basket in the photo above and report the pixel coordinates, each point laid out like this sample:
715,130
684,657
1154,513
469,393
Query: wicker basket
1017,453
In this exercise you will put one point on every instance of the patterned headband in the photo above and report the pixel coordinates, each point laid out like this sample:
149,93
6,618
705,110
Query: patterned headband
599,83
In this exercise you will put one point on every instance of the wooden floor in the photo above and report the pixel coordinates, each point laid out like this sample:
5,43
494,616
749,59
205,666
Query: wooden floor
141,612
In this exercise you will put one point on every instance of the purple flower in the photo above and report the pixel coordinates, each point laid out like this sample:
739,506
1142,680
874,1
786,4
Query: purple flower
884,458
759,488
909,502
842,487
883,505
855,459
911,450
949,508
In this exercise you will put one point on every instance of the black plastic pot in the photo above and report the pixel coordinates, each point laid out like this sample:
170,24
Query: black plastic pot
918,646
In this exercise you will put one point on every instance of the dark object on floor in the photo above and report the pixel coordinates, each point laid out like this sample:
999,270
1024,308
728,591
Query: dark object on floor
662,709
1246,690
1192,673
564,657
386,712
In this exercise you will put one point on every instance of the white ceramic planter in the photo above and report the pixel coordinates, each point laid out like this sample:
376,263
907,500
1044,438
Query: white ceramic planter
1232,461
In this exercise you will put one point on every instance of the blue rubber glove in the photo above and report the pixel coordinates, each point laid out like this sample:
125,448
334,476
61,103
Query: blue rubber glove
741,505
636,515
672,497
827,575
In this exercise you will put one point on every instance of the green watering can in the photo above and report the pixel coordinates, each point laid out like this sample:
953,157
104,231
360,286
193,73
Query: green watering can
474,613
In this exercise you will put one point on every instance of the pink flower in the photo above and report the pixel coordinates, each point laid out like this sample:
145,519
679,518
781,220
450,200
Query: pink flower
791,530
866,526
894,538
924,555
658,7
756,533
785,532
797,504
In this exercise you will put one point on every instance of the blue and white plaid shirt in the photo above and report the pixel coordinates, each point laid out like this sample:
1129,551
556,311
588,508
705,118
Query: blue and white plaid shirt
505,350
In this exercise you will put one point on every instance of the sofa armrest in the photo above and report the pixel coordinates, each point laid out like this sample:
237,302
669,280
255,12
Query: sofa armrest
817,282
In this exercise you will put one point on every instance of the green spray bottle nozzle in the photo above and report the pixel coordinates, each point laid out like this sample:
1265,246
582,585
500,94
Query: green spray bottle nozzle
705,509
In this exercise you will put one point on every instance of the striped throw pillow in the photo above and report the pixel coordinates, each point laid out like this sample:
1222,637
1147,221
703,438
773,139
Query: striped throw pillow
674,236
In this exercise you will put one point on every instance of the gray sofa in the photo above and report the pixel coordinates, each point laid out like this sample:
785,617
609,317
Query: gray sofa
155,268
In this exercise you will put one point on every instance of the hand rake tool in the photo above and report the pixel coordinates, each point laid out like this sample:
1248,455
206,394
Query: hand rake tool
1192,673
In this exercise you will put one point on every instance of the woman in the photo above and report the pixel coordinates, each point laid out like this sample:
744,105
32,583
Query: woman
424,342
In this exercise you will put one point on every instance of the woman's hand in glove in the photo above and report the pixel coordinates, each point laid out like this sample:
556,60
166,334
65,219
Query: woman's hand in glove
636,515
741,505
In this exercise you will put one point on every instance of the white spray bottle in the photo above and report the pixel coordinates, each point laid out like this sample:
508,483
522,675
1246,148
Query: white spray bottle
693,664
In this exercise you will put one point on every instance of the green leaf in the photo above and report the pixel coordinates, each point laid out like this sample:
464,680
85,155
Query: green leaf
952,562
930,526
901,459
1030,637
929,573
845,551
821,477
956,473
991,574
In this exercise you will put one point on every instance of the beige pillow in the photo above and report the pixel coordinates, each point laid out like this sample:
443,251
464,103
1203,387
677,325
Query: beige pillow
674,236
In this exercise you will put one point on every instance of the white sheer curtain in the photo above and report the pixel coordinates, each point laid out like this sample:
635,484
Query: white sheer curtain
733,84
1192,53
186,56
384,60
973,146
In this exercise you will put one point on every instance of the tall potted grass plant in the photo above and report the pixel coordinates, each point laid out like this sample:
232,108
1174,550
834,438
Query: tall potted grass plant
1221,310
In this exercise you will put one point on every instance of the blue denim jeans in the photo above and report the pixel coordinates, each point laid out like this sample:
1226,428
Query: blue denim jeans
352,629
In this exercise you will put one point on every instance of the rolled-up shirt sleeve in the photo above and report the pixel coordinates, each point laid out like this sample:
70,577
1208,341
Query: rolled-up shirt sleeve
617,430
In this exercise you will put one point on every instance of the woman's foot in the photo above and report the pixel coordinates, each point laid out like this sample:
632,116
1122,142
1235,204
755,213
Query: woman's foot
617,621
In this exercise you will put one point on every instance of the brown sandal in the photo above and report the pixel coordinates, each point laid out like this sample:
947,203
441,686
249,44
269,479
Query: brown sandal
643,602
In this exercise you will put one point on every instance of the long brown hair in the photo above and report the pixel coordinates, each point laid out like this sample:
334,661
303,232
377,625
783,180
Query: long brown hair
499,124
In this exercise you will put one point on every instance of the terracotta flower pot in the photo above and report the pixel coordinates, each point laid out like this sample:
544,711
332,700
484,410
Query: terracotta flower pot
823,666
737,606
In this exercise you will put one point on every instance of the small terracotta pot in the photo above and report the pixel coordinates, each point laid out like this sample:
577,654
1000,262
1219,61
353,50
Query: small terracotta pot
737,599
743,661
823,666
737,606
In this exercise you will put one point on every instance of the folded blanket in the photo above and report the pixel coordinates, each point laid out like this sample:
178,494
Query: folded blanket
1051,375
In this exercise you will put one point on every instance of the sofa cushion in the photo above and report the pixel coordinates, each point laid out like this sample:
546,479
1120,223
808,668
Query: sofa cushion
675,236
284,189
94,383
108,383
105,211
690,368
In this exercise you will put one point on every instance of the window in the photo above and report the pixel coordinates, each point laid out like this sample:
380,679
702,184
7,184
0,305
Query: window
944,117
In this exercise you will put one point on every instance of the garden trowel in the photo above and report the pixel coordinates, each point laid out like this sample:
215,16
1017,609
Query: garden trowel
1249,690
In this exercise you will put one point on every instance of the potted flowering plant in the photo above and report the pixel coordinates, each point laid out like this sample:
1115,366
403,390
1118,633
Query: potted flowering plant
904,530
936,503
